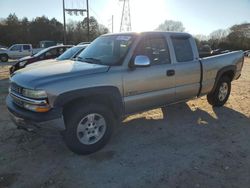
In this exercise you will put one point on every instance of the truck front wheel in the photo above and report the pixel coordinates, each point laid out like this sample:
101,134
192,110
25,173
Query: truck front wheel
4,58
88,128
221,93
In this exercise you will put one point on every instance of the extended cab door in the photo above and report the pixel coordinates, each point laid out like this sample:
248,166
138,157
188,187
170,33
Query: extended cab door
148,87
187,67
27,51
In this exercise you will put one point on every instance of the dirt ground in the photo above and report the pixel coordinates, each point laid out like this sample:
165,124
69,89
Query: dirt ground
193,146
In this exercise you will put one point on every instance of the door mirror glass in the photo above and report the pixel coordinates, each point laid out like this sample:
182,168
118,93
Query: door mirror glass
141,61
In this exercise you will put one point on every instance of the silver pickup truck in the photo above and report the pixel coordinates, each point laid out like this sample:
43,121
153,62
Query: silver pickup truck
17,51
117,75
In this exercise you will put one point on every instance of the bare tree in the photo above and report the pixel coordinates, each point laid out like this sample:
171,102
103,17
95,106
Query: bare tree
171,25
219,34
201,37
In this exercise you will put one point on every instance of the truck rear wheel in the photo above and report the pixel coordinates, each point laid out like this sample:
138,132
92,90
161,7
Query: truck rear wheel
88,128
4,58
221,93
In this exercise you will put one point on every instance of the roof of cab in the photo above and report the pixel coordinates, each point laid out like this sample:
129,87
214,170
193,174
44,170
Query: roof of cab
171,33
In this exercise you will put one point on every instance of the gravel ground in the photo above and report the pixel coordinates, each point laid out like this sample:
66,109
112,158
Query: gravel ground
192,145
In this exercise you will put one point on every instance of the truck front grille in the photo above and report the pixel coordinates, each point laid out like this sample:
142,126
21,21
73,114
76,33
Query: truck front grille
16,88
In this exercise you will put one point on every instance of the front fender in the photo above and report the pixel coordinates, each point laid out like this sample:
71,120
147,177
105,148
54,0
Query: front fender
109,94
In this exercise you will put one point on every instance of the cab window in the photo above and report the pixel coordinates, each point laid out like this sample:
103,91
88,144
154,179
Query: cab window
26,47
16,48
155,48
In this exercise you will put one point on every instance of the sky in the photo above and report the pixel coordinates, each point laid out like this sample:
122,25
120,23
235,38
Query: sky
197,16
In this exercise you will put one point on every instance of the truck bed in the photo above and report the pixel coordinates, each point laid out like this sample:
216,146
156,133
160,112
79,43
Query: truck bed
213,64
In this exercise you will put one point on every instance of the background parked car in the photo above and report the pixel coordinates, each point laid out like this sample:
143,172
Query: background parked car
48,53
247,53
16,51
71,53
205,51
82,43
48,43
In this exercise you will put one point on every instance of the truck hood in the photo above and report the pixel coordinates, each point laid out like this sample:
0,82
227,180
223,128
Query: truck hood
44,73
2,50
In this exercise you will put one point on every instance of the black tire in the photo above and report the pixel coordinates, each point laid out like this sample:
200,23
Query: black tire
74,116
4,58
214,97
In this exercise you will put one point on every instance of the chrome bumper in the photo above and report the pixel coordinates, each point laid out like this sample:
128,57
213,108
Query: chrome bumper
31,121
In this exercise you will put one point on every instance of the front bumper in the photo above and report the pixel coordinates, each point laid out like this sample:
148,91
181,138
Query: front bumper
32,120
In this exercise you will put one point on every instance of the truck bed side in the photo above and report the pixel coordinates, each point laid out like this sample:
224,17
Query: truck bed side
213,67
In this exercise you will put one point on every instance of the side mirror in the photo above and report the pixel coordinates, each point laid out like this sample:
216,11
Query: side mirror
141,61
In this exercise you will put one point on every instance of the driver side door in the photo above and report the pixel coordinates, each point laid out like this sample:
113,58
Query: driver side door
15,51
153,86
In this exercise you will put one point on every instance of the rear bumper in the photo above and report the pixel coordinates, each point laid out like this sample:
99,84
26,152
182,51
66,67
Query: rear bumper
31,120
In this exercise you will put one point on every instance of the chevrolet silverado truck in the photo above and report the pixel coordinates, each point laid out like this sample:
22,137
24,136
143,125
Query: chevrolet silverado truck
117,75
17,51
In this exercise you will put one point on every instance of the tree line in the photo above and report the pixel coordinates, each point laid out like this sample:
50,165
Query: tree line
14,30
237,37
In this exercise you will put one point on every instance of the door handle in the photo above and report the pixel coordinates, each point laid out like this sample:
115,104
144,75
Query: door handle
170,72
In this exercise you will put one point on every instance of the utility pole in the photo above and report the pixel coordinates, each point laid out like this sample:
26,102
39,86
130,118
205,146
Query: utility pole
87,1
75,11
112,23
64,25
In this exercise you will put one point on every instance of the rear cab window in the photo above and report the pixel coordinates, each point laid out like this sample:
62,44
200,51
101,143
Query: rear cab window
183,49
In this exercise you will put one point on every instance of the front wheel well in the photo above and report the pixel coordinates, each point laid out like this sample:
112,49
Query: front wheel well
4,54
95,99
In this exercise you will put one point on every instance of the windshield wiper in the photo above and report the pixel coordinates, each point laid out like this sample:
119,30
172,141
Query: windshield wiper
93,59
80,59
89,60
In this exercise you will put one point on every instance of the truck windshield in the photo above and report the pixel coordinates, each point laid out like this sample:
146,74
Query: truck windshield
107,50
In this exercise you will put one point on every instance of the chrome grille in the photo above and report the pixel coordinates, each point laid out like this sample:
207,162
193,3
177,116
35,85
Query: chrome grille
16,100
15,88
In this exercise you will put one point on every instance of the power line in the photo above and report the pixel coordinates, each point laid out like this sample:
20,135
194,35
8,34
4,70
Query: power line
74,11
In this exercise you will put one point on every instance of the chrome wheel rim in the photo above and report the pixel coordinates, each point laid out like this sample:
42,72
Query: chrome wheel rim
91,128
223,91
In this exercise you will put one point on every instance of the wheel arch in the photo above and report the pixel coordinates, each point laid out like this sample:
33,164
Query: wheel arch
4,54
225,71
109,96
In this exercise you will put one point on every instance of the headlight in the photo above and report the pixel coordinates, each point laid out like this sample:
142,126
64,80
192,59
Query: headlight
22,63
35,94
